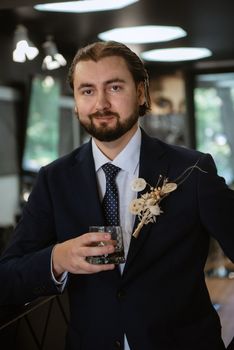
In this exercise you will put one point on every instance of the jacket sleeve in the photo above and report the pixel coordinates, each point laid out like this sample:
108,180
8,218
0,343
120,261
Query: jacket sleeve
216,205
25,266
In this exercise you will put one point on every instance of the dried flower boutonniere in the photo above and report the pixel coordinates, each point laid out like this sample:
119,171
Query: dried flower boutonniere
146,207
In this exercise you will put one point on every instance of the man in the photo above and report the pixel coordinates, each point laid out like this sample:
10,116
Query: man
159,300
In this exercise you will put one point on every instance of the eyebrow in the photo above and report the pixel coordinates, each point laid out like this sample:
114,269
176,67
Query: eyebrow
115,80
89,85
85,85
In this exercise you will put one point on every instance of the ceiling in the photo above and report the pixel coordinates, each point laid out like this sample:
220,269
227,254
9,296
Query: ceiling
209,23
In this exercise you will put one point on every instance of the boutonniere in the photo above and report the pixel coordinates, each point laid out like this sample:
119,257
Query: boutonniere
147,207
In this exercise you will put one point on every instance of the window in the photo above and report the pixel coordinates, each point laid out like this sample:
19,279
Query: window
214,118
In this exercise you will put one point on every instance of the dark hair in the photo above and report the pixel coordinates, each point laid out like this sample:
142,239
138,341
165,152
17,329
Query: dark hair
99,50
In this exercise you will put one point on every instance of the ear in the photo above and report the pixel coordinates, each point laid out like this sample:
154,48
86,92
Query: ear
141,93
76,112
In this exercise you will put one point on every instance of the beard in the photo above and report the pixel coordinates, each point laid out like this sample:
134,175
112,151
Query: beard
106,133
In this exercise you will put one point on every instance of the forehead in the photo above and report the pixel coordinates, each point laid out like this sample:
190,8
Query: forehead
171,87
107,68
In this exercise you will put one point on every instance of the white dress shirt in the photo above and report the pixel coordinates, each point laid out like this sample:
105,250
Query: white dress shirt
128,161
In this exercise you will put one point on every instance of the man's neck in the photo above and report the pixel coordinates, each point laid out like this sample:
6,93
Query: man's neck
113,148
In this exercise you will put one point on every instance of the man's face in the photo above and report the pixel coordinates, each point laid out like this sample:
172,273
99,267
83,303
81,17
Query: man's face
107,99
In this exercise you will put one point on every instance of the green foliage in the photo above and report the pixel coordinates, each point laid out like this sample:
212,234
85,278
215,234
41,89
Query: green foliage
210,135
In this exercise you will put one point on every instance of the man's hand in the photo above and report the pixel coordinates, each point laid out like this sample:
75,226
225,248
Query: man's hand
70,255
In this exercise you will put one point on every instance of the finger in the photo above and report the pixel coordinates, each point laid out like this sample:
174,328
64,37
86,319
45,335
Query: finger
108,242
96,250
84,267
80,265
93,237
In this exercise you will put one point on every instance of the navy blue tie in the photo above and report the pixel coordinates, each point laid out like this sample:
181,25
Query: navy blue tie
110,201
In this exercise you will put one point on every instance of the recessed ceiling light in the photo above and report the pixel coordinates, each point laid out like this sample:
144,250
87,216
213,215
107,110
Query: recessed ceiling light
176,54
85,5
143,34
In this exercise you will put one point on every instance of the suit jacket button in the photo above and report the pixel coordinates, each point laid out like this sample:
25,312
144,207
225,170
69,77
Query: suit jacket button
121,294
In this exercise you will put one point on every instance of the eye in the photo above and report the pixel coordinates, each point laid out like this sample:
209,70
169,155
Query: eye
115,88
87,92
162,102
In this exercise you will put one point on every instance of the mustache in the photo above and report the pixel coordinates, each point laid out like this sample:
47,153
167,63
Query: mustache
103,114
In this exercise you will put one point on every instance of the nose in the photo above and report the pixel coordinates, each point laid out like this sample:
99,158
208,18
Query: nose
102,101
177,108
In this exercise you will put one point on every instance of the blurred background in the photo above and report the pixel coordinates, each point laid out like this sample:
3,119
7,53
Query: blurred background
187,48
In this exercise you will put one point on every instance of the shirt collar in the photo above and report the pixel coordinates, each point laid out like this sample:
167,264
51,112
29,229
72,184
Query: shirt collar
127,159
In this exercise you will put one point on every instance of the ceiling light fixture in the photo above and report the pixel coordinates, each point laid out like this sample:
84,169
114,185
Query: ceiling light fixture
24,48
85,5
176,54
143,34
53,58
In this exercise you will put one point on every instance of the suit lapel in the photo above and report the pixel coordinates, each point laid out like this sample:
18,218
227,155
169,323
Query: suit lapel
152,164
83,178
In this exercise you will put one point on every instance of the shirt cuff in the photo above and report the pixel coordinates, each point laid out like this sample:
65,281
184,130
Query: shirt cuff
61,282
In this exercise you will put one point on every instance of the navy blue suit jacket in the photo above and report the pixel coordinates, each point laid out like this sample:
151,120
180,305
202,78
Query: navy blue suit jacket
161,301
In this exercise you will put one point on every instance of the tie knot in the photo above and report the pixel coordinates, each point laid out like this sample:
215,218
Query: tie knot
110,170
